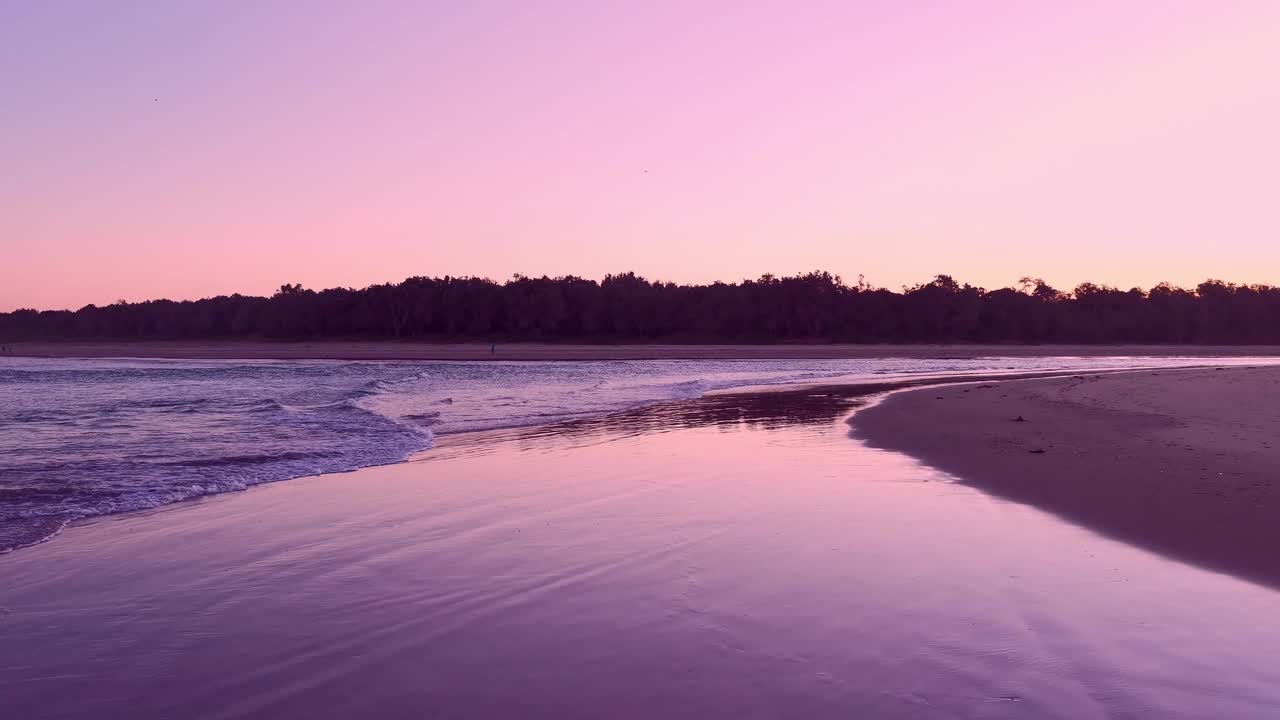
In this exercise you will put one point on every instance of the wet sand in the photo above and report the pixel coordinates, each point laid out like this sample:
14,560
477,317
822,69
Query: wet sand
732,557
1184,462
375,350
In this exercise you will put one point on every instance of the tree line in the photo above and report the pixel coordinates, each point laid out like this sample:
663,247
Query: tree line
816,306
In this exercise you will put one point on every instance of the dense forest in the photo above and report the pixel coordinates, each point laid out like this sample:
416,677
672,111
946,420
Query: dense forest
814,307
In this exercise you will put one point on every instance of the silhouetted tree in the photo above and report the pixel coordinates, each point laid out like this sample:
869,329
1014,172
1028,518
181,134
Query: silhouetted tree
814,307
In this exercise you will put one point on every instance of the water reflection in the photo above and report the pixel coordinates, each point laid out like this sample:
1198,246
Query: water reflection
749,411
765,408
674,561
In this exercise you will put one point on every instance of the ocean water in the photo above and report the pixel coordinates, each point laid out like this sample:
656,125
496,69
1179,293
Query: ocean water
736,556
86,437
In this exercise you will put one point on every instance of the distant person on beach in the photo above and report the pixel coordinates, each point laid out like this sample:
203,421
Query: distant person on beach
493,348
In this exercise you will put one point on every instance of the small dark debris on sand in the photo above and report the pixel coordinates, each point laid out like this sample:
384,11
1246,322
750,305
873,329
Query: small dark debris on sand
1038,451
1019,419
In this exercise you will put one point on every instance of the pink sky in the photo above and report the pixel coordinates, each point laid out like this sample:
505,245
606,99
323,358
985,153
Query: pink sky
185,149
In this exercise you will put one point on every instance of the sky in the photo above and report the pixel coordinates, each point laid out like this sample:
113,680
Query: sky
187,149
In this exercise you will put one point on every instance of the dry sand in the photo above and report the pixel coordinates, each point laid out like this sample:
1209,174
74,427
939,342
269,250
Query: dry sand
1184,462
375,350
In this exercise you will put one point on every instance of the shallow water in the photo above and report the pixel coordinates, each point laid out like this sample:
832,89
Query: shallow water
735,556
86,437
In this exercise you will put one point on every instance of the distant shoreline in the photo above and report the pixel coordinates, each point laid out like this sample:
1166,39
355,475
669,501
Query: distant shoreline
386,350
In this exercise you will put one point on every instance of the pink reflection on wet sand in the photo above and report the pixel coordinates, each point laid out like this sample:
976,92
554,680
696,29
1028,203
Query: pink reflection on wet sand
722,558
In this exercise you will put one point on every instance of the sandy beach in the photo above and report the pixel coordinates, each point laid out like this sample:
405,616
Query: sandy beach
374,350
736,556
1182,461
639,361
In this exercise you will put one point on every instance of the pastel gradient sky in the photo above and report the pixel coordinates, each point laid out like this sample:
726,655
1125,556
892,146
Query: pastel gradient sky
185,149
